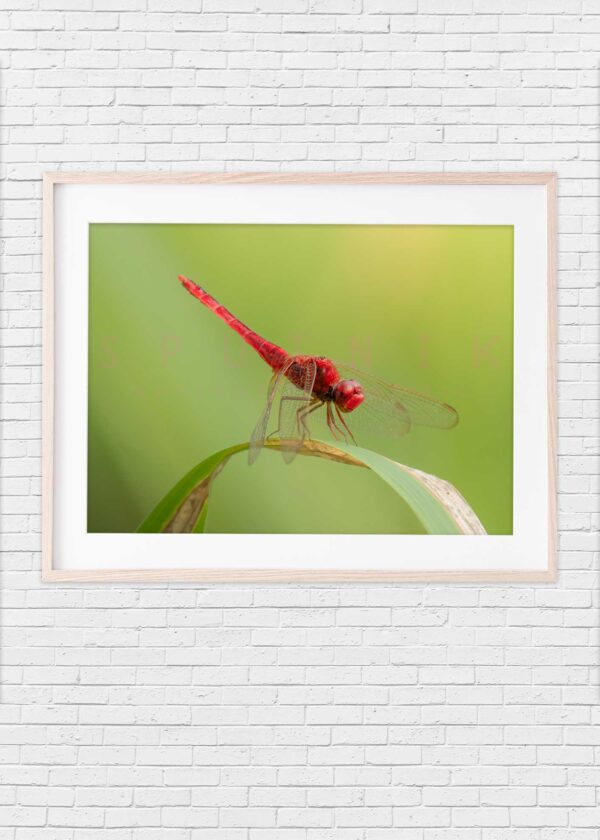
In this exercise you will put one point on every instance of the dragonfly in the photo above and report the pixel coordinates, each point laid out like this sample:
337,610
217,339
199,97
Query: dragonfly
301,385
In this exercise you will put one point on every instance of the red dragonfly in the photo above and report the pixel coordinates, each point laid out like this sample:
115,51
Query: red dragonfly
305,384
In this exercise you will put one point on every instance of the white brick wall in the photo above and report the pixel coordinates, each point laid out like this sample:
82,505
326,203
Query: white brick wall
300,712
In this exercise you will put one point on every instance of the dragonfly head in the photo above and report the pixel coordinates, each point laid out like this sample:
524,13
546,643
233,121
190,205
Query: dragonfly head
348,394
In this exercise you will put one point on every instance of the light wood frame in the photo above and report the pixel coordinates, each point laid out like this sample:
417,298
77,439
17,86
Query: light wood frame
50,574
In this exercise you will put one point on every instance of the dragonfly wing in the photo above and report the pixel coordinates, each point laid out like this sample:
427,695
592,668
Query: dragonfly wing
394,410
295,397
258,435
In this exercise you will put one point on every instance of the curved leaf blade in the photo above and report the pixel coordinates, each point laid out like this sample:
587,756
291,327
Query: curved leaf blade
437,503
159,519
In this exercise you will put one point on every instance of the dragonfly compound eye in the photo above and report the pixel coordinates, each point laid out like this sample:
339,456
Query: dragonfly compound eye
348,394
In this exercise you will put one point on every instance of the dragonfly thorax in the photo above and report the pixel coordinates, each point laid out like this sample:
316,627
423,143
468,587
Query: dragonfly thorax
348,394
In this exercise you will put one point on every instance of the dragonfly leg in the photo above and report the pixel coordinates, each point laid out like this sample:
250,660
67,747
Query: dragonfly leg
279,422
343,422
331,423
304,412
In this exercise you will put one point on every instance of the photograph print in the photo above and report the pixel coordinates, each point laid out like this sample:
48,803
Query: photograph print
216,344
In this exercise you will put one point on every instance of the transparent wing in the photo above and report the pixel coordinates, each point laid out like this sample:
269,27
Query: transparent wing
295,397
393,410
257,438
291,388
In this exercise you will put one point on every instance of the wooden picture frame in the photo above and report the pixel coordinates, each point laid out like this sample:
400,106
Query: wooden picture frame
53,572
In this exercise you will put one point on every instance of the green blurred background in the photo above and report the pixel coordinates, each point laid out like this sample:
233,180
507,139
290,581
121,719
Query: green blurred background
426,307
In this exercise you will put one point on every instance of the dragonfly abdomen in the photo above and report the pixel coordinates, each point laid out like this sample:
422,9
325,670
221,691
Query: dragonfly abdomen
272,354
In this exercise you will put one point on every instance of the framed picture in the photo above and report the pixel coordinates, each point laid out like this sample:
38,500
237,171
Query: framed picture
299,377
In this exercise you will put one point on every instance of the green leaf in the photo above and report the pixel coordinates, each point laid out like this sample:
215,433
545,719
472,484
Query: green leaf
437,504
